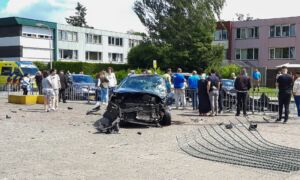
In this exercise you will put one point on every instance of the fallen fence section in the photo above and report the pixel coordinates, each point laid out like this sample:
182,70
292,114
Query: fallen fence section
237,145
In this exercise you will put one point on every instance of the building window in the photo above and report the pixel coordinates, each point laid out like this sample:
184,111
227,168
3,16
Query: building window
68,54
246,54
114,41
67,36
220,35
283,30
93,39
132,42
93,56
247,33
39,36
282,53
115,57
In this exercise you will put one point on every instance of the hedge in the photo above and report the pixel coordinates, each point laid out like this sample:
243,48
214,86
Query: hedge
87,68
42,65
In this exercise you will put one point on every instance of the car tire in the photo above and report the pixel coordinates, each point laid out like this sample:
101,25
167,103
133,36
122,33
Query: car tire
124,124
166,120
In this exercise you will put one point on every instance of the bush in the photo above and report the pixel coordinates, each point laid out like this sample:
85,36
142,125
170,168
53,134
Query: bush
120,75
225,71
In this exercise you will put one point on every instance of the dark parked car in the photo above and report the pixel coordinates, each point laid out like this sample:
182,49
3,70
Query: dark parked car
139,99
81,87
228,94
228,86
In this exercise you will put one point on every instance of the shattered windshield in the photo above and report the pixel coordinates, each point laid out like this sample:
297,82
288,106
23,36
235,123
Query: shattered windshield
150,84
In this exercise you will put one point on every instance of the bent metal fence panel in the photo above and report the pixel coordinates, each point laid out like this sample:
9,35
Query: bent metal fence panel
74,94
238,145
71,93
257,102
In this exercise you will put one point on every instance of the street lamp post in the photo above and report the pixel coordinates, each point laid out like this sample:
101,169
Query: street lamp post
41,25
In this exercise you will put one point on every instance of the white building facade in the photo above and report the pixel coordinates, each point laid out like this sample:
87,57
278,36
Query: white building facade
24,39
92,45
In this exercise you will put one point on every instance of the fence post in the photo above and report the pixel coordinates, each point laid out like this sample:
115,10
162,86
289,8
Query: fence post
8,89
253,96
88,95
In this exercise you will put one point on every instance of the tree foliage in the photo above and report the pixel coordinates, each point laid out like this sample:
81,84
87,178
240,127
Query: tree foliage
225,71
142,56
243,17
79,18
186,25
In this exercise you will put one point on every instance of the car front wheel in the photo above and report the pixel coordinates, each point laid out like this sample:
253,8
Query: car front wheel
166,120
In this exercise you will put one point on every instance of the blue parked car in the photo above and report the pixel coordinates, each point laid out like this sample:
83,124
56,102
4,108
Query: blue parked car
81,87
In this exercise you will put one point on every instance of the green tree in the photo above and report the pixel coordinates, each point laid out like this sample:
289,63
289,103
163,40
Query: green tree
186,25
79,18
142,56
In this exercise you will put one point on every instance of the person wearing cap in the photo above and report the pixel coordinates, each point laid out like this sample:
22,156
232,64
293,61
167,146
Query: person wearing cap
285,86
296,92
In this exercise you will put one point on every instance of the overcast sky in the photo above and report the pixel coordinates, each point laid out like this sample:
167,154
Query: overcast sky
117,15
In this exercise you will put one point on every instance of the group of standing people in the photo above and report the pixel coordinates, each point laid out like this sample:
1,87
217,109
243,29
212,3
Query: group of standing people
206,90
106,82
52,86
209,94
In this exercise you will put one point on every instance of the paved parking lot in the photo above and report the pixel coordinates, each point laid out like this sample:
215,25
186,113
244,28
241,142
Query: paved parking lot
65,145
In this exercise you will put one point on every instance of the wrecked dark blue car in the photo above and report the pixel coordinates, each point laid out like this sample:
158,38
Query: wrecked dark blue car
139,99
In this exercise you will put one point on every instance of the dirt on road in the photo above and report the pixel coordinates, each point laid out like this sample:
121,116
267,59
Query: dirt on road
64,145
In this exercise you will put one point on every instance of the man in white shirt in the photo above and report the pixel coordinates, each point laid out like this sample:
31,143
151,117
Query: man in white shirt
55,83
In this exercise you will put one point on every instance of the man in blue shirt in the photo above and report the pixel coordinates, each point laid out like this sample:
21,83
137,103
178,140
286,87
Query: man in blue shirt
193,86
256,79
179,88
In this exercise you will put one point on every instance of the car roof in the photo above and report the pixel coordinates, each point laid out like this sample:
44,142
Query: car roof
79,75
140,75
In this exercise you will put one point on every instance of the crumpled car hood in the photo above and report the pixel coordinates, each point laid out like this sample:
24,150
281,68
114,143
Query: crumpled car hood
128,90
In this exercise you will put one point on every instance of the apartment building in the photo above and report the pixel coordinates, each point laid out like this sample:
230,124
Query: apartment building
24,39
267,42
223,37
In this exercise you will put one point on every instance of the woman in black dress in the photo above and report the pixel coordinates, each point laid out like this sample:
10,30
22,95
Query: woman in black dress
204,103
